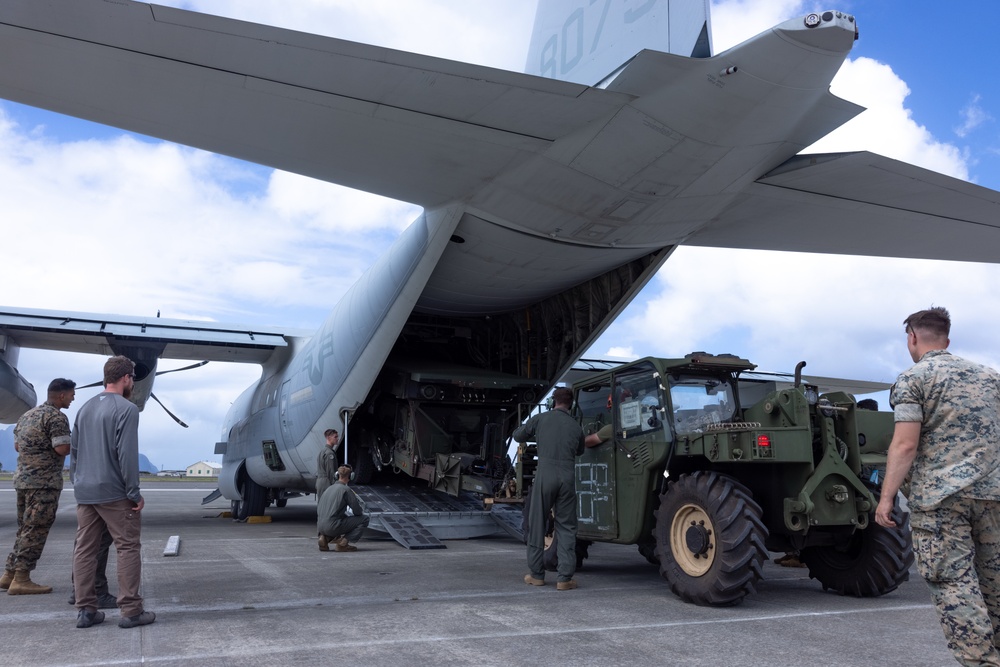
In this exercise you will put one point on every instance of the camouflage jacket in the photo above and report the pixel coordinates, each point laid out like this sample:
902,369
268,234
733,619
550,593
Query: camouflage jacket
957,403
36,435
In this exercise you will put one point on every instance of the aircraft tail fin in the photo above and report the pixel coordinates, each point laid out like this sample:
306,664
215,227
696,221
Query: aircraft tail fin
590,41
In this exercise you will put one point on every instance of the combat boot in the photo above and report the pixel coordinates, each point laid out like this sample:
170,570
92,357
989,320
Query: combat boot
23,585
6,579
324,543
342,544
340,541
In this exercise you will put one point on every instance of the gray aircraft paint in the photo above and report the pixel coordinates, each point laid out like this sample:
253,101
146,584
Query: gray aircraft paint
587,41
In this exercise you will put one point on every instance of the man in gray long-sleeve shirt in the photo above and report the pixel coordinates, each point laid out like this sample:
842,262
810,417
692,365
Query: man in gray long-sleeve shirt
104,470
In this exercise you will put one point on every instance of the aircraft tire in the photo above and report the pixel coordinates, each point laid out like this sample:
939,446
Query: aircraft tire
254,499
873,562
710,539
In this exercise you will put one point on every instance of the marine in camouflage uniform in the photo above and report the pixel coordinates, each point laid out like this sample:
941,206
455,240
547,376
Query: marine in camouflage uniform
947,413
42,439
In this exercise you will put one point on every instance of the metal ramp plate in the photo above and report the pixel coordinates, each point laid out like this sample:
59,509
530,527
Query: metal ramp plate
442,516
510,519
409,532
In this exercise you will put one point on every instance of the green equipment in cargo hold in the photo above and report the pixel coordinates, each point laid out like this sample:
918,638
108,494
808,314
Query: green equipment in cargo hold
706,472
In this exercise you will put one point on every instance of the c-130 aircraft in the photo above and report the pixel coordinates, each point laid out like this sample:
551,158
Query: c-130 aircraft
548,203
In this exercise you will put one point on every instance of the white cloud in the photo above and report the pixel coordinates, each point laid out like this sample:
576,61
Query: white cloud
973,115
886,126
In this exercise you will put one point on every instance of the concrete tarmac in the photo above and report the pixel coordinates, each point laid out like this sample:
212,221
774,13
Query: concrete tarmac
263,594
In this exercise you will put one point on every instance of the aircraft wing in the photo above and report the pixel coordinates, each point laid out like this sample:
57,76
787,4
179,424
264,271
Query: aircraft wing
180,339
860,204
416,128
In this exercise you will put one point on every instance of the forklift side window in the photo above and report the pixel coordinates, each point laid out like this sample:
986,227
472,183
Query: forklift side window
640,408
593,408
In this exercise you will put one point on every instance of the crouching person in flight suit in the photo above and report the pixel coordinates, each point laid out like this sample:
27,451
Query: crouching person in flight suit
334,524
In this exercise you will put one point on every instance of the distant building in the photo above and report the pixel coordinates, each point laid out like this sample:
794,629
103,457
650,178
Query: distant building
203,469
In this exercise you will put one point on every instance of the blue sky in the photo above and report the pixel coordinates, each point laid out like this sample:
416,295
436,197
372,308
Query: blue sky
208,237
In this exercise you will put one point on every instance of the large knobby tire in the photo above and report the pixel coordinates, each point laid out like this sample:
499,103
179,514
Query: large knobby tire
648,550
709,539
363,465
254,499
871,562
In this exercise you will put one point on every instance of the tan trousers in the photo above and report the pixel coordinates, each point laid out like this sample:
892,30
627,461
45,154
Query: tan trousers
124,524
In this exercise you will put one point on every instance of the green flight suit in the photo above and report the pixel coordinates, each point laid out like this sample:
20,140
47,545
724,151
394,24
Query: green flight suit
560,441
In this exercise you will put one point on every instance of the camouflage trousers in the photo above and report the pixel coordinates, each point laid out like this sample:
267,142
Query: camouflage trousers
36,511
957,546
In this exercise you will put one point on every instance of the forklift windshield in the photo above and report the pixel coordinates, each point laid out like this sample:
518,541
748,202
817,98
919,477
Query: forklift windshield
700,401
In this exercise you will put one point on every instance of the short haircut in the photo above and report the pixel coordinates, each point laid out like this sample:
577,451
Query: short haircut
562,396
116,368
934,321
344,472
868,404
328,432
61,384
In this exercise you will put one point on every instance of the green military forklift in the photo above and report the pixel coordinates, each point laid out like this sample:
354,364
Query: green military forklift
707,471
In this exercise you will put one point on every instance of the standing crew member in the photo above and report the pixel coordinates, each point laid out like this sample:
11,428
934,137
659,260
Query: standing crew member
332,520
105,474
326,463
947,413
560,440
42,440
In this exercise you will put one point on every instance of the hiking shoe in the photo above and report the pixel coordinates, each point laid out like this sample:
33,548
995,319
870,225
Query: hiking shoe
324,543
533,581
87,618
566,585
345,547
145,618
107,601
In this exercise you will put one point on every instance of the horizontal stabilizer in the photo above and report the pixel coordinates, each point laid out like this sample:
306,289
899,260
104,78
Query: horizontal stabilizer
860,204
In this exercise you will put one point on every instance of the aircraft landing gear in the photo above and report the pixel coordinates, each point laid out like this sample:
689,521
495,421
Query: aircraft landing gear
254,499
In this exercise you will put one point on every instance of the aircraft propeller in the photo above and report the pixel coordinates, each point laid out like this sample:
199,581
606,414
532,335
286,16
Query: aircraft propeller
152,395
172,415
